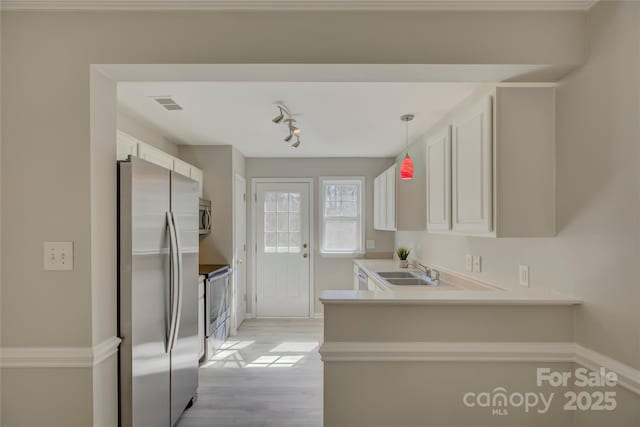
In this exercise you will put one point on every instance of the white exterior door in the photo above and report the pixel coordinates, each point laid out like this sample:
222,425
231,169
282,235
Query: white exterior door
283,250
472,170
439,182
240,247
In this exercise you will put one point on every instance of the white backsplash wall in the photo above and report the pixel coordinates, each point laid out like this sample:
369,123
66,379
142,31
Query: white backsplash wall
545,257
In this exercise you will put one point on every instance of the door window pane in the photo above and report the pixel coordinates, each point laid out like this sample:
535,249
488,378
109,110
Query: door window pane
270,221
283,202
270,201
283,242
282,222
270,242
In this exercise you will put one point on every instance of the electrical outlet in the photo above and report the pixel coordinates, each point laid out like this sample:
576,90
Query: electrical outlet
524,275
468,263
371,244
58,256
477,263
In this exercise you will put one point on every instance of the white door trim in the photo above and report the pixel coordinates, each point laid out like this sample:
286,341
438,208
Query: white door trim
235,316
312,239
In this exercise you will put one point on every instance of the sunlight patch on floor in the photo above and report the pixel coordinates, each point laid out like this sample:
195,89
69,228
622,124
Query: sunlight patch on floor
295,347
230,355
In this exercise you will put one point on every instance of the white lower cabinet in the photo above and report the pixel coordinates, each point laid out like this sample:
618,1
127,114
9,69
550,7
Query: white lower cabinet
438,162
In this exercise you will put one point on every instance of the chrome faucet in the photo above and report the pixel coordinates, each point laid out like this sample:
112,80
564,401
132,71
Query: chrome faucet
431,273
423,268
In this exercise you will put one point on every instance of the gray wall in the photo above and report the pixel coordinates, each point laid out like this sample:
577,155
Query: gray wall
330,272
138,128
220,164
46,149
595,253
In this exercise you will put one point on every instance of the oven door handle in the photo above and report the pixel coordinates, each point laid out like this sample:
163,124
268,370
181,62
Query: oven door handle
209,220
174,285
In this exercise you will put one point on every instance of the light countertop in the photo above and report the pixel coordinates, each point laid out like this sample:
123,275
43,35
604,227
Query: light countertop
462,291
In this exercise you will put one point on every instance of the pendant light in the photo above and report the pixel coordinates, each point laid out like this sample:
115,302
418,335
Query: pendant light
406,167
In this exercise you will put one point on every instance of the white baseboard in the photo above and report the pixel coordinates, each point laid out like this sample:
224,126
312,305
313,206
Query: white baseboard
399,352
628,377
58,357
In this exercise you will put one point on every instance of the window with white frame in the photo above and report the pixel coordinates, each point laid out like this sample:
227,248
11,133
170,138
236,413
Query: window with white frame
342,215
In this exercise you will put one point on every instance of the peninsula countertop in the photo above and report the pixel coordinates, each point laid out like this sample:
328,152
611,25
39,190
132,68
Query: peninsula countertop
465,292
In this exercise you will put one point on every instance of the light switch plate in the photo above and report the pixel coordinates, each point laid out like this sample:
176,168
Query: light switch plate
468,263
524,275
477,263
58,256
371,244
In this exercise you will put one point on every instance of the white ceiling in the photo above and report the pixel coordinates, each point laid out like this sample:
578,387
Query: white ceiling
337,119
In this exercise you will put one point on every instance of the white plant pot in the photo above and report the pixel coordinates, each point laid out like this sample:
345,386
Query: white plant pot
404,263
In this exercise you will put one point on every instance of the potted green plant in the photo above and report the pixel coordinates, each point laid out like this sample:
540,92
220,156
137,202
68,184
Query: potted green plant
403,254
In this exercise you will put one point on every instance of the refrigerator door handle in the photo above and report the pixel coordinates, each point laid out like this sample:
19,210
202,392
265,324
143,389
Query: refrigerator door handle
175,273
178,313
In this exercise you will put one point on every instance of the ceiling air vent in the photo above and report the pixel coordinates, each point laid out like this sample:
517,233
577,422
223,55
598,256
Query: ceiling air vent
167,103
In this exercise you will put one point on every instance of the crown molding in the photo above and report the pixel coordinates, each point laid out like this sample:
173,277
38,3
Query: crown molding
58,357
299,5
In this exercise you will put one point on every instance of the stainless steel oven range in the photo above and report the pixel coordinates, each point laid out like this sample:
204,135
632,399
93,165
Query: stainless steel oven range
217,307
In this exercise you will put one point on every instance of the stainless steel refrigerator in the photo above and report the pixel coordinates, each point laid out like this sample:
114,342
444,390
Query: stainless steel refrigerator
157,293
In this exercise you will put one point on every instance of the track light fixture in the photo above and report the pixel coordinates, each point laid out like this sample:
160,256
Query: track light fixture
277,119
285,117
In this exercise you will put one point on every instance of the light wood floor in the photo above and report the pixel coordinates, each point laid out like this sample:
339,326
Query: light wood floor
269,375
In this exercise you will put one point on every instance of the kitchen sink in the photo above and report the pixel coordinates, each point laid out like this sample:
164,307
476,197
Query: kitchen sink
409,282
397,275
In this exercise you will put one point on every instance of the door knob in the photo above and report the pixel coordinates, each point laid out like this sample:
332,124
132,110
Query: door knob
305,255
304,246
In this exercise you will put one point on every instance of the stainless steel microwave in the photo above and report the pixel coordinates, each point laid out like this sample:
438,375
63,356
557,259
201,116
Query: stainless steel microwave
205,217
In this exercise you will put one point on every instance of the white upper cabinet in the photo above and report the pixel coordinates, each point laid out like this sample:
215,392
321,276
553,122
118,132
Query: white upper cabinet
153,155
390,198
197,175
471,167
183,168
438,162
501,165
126,146
377,223
384,200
